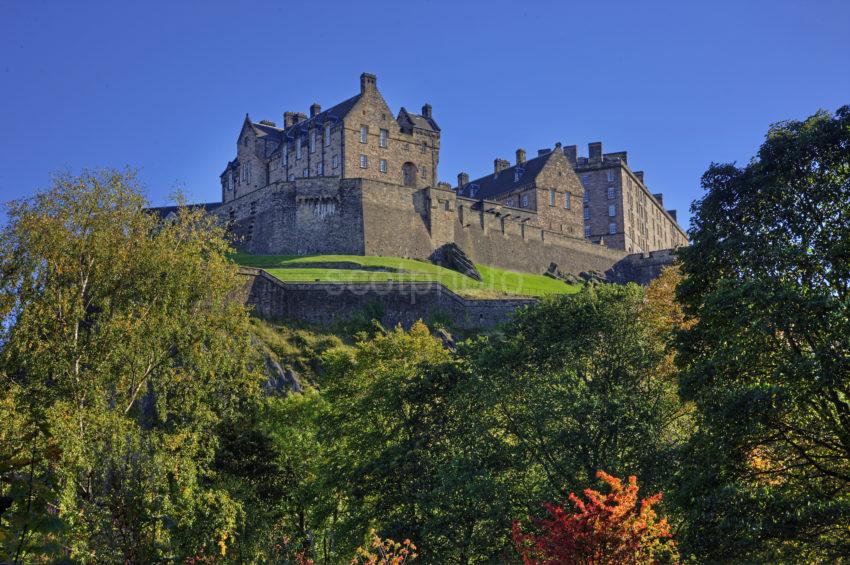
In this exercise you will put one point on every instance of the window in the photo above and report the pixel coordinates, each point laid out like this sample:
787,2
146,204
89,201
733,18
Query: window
327,136
586,196
285,155
567,200
291,177
364,134
551,197
612,228
253,207
363,162
610,175
587,213
298,148
248,172
423,172
585,179
612,192
305,173
525,201
612,210
383,165
423,147
335,161
382,140
510,202
321,169
586,231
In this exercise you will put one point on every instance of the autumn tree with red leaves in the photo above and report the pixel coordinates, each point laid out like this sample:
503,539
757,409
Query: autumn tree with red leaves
612,528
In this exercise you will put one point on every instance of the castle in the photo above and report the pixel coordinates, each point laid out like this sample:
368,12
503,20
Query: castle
355,179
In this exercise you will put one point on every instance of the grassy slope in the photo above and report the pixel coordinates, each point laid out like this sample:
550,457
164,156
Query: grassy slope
495,282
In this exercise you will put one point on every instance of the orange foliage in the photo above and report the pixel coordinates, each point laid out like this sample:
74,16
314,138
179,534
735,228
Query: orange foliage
610,528
385,552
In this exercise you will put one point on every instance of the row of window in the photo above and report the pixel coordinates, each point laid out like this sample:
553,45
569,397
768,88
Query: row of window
611,176
612,229
567,199
612,211
383,136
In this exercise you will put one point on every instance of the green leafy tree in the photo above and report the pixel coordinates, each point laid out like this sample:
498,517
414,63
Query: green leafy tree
387,433
767,361
122,350
576,385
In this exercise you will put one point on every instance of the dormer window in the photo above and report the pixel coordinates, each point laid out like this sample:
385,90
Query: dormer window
518,173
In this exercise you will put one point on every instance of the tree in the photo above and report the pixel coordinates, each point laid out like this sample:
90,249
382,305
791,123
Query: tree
573,386
767,359
384,432
122,349
610,528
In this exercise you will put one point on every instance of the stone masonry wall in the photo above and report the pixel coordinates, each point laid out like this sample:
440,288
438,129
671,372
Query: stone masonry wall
392,303
361,217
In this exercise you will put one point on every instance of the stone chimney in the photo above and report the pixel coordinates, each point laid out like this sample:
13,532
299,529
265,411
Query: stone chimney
500,165
368,82
289,119
462,179
571,153
542,151
426,111
672,214
659,197
639,175
520,156
594,151
315,109
268,123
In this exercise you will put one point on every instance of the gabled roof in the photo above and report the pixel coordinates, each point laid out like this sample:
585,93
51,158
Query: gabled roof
418,121
333,115
277,135
489,187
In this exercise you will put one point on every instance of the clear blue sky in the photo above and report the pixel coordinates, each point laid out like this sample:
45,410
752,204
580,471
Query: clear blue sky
164,86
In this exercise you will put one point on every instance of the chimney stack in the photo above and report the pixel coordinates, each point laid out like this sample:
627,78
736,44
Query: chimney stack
571,153
520,156
542,152
426,111
500,165
315,109
368,82
639,175
672,214
289,119
660,198
462,180
594,151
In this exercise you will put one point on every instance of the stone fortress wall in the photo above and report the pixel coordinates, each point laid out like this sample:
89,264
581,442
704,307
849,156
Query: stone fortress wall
367,217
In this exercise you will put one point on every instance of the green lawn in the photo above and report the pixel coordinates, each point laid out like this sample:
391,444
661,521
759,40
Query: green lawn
495,282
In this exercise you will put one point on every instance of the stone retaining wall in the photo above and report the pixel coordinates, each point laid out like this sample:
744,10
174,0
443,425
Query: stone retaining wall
393,303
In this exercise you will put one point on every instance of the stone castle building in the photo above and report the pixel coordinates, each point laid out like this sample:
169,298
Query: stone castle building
356,179
604,201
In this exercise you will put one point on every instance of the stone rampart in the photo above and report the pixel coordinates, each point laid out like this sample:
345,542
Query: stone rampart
392,303
366,217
